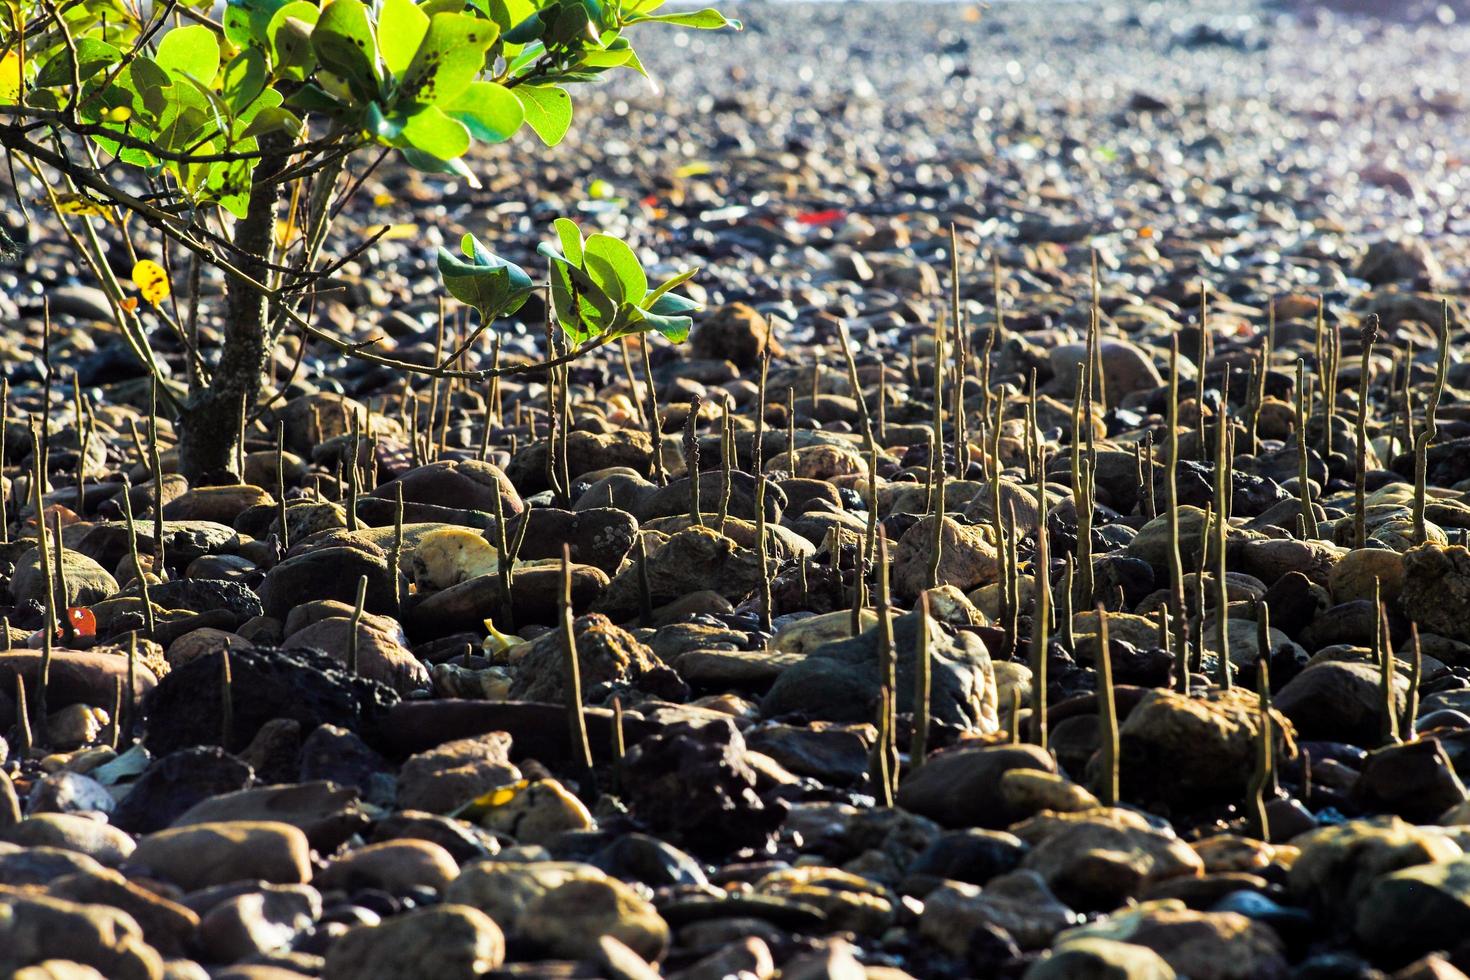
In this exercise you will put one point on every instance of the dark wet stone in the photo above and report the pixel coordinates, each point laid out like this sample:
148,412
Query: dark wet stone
174,783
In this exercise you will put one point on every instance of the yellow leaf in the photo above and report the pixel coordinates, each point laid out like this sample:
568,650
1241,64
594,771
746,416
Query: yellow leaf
118,114
696,169
482,805
128,303
285,233
151,281
382,200
394,232
10,77
81,204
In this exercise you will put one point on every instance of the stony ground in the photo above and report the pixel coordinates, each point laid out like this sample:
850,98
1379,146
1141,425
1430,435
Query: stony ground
333,746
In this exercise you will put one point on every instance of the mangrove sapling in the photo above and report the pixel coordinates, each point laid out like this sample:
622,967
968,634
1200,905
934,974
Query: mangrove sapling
226,699
355,624
1222,504
1304,485
691,459
919,745
132,679
581,748
885,761
1040,623
757,464
1107,715
1360,467
726,485
25,736
132,529
1176,562
1430,429
281,486
1387,668
1408,728
1263,778
645,591
395,553
43,557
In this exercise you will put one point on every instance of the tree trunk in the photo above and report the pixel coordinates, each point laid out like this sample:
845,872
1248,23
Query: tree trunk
210,420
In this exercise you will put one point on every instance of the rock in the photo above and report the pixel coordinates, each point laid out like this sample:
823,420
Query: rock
1018,902
1436,589
567,920
1098,861
696,785
586,452
970,855
968,558
183,541
36,865
175,782
598,536
830,754
340,756
1414,780
841,681
1415,910
504,890
218,853
444,942
674,500
748,957
1408,260
1192,751
691,560
447,777
639,857
218,504
537,813
34,929
536,590
87,582
1100,959
609,658
311,420
380,654
459,483
1203,945
167,926
107,845
452,555
77,676
1355,573
1030,791
330,573
1339,701
325,813
960,787
258,922
832,960
1125,369
1339,864
297,683
392,866
734,333
462,840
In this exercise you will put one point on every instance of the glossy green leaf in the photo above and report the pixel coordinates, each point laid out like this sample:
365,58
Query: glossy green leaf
344,44
432,131
448,59
572,245
245,21
527,30
548,111
433,165
708,19
92,56
191,51
275,119
489,110
244,78
288,37
664,287
674,328
401,27
614,267
484,281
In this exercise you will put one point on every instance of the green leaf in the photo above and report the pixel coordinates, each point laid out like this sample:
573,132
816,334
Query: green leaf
484,280
448,59
244,78
489,110
289,38
344,44
708,19
674,328
612,264
548,110
432,131
92,56
191,51
527,30
401,26
672,304
433,165
506,13
245,21
572,245
274,119
674,283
